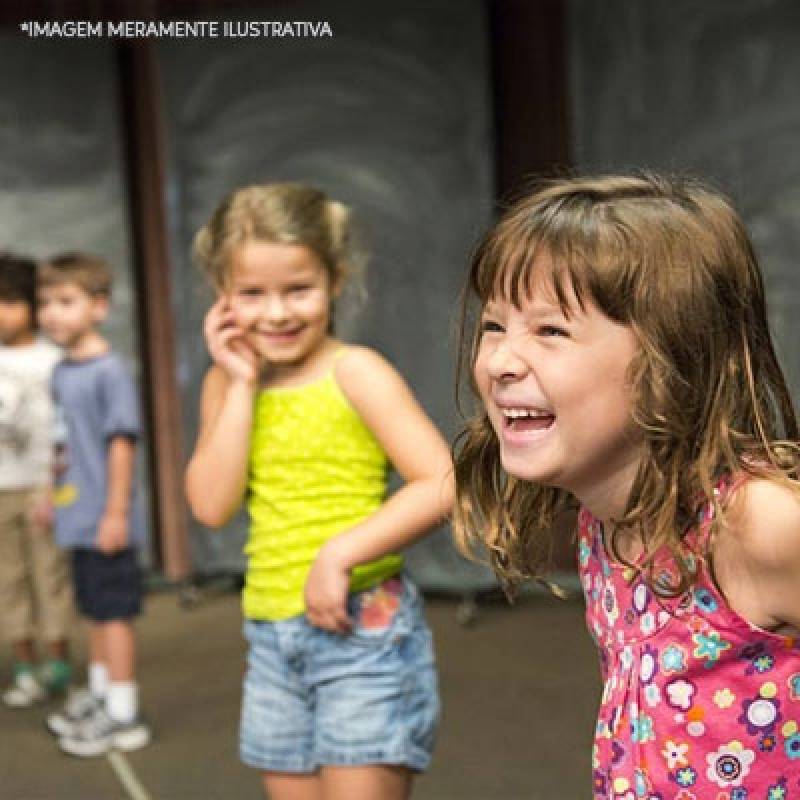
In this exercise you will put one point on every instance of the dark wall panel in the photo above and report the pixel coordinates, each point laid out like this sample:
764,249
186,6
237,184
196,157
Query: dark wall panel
710,88
392,116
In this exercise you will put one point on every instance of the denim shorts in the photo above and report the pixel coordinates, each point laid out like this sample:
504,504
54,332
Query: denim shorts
314,698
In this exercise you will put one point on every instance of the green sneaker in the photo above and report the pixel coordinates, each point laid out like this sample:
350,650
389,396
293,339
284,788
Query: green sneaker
55,675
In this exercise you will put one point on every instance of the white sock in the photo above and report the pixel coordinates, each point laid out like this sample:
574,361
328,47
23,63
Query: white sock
98,679
122,701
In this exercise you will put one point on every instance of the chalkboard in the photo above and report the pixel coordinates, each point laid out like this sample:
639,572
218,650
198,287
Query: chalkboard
708,88
61,170
390,115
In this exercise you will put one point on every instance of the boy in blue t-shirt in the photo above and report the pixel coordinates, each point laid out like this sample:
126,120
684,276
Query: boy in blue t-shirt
96,514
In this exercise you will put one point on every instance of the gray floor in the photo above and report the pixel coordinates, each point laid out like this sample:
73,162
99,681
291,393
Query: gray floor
520,689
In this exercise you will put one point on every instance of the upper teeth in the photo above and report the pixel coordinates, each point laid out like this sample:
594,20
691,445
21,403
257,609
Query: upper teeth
515,413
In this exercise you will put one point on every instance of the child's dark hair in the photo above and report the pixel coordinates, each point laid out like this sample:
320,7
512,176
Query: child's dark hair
88,272
669,258
18,280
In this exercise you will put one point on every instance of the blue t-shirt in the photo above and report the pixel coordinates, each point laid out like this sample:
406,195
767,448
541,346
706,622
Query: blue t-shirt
95,401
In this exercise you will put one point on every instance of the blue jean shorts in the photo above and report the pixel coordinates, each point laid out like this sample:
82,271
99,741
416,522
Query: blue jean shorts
314,698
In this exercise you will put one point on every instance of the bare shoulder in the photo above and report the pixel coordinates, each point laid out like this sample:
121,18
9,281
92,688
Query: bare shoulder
363,373
764,520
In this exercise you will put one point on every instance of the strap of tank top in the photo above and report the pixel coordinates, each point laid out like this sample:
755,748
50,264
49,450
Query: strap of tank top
724,489
338,353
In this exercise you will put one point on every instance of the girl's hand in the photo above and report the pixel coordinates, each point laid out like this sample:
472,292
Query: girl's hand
326,590
227,345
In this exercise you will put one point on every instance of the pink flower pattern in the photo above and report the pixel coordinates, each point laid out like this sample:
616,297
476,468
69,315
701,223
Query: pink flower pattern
685,667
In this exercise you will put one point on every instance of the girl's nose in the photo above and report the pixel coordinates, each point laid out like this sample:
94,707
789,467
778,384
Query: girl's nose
505,364
275,309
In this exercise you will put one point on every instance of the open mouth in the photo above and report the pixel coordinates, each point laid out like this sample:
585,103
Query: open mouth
522,420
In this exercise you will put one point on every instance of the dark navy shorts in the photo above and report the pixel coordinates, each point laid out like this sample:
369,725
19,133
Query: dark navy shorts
107,587
314,698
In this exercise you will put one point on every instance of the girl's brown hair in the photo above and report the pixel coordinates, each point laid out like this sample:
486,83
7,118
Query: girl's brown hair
670,258
281,213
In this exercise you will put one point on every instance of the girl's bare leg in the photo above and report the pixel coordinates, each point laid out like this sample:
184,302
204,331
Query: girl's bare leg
289,786
374,782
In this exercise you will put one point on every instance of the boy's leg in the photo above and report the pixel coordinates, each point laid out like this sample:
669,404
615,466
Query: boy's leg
374,782
16,600
288,786
52,585
122,702
112,599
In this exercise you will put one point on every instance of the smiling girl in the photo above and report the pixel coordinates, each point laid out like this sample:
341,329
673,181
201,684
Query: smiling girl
340,696
624,365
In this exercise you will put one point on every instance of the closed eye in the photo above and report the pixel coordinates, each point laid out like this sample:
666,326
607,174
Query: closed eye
490,326
551,330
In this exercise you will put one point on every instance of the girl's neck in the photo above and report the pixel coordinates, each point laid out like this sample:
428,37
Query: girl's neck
607,499
315,366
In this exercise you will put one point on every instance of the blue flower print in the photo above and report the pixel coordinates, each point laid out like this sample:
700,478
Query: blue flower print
792,746
759,657
686,776
584,552
794,686
709,646
673,659
764,663
642,728
705,600
739,794
641,784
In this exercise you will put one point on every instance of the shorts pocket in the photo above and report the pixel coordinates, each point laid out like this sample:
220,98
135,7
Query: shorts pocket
381,612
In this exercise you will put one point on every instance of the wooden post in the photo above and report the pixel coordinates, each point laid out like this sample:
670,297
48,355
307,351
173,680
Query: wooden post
530,81
146,159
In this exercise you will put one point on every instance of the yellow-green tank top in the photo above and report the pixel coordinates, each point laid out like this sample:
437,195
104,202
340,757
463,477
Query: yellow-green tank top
315,470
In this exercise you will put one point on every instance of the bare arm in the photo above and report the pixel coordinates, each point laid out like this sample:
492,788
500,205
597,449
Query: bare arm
216,477
421,456
112,530
757,559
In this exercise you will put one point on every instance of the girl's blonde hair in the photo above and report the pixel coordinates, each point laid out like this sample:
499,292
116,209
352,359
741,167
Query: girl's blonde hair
670,258
281,213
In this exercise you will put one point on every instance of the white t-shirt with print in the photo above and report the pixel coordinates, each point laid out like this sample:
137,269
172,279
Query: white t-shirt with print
26,415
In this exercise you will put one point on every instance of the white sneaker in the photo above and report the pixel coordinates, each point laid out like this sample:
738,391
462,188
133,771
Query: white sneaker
98,733
80,705
24,692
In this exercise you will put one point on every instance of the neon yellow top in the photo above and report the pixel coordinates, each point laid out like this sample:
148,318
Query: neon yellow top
315,470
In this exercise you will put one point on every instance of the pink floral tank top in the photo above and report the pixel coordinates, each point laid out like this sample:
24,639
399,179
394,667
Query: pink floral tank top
698,704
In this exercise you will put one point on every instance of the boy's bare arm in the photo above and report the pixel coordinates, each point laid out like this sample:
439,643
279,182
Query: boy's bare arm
112,533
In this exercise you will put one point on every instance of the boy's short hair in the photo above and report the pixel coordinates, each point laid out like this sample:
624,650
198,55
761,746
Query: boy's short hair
18,280
90,273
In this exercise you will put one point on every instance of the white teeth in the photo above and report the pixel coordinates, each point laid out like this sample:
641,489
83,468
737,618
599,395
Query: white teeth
517,413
